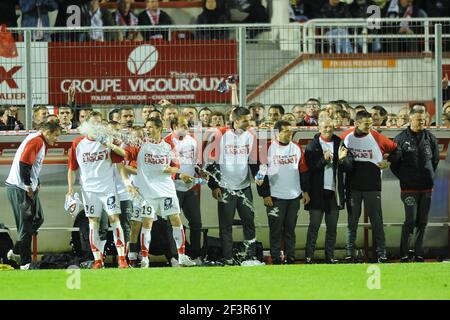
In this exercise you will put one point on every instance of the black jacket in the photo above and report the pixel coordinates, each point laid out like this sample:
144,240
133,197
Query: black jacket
63,18
8,14
220,15
144,20
14,124
108,21
340,11
416,159
316,166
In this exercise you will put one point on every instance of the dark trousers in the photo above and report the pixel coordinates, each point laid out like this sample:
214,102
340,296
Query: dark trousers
190,204
283,218
226,216
417,205
331,219
372,203
126,210
28,216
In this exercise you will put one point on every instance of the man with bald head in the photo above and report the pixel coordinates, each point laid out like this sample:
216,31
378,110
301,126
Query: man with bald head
325,158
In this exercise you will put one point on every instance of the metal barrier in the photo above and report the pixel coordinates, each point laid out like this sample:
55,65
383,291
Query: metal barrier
284,64
374,35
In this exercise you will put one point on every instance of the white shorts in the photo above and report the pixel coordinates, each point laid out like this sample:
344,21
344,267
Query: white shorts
160,206
95,202
143,212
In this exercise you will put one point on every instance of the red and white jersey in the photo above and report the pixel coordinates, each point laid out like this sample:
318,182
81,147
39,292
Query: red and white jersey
96,165
285,162
31,151
151,160
234,152
366,148
188,155
368,151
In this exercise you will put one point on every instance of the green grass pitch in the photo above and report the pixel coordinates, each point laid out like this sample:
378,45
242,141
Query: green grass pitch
343,281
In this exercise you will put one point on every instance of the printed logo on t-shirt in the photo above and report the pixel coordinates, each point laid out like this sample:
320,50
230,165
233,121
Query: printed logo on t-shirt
95,156
235,150
361,153
156,159
282,159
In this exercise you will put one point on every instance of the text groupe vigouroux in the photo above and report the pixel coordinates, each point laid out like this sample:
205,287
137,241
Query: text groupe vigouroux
142,85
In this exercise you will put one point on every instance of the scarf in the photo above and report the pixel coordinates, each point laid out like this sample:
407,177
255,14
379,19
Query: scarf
122,21
394,11
130,20
310,120
96,22
154,19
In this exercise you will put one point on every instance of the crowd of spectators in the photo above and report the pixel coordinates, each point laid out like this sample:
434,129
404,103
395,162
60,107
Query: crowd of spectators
305,114
302,10
94,13
35,13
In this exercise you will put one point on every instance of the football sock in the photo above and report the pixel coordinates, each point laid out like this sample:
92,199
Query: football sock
94,240
119,240
178,236
146,237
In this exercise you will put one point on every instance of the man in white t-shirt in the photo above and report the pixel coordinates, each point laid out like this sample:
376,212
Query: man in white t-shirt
156,163
22,186
369,151
234,152
188,192
95,162
282,188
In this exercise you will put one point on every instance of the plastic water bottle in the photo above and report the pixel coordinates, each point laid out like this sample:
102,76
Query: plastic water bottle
262,172
200,181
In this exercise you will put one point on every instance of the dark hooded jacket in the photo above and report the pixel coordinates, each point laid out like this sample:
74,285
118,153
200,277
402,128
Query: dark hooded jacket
415,160
218,16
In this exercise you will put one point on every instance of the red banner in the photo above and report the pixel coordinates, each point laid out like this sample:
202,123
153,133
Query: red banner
140,72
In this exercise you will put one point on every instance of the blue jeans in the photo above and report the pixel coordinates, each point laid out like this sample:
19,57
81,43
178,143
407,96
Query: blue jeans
339,37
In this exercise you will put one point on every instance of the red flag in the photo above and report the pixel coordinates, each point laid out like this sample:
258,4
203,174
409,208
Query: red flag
8,47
